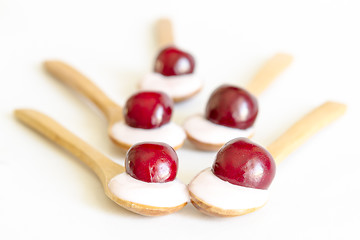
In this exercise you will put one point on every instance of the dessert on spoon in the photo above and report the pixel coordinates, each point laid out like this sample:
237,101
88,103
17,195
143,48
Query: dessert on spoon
147,185
231,111
145,117
174,68
238,181
151,168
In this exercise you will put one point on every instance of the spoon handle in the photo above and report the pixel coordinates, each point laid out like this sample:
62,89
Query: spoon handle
304,129
103,167
86,87
269,71
165,36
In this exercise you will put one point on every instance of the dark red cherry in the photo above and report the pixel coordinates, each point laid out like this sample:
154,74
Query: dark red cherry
244,163
171,61
232,106
152,162
148,110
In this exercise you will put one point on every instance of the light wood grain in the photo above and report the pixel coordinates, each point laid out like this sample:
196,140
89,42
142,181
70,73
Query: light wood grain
165,35
304,129
268,73
214,211
103,167
207,146
76,80
281,148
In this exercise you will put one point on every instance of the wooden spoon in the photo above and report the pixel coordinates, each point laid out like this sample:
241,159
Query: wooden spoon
170,85
164,33
264,77
271,69
103,167
86,87
281,148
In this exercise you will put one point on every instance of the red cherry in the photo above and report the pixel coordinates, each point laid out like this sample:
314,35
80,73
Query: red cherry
171,61
232,106
148,110
152,162
244,163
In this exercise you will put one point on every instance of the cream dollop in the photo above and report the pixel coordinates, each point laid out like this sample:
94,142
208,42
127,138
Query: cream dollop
222,194
169,133
169,194
175,86
205,131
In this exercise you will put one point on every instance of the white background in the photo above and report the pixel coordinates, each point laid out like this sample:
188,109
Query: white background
45,193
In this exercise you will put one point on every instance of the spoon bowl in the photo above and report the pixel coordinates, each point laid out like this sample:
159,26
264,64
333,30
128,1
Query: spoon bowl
208,136
280,149
112,111
180,86
214,211
103,167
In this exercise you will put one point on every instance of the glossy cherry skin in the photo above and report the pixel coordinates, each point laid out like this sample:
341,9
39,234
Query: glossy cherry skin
245,163
232,106
148,110
171,61
152,162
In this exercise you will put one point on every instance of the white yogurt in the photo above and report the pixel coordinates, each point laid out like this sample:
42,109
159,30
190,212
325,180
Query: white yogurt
169,133
169,194
175,86
205,131
222,194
